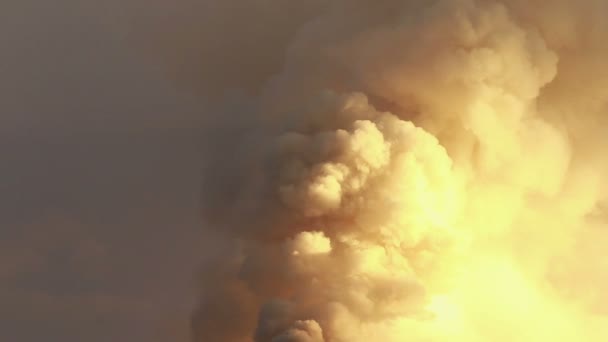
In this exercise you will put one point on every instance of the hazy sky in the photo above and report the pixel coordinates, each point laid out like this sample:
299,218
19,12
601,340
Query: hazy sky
99,181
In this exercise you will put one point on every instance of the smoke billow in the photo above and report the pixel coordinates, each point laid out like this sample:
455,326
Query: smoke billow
405,170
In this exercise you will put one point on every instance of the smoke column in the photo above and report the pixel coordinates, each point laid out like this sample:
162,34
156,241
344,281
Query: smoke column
403,170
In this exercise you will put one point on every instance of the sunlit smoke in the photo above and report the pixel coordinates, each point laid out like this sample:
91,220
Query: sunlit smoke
402,170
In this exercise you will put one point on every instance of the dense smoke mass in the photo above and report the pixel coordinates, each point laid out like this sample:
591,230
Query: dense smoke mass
403,170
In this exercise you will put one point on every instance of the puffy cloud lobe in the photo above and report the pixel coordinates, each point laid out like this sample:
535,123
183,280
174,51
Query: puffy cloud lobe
301,331
311,243
409,161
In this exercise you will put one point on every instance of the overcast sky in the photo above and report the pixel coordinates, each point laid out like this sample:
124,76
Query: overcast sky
100,160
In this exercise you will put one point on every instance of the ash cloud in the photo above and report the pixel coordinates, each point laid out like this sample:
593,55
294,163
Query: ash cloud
403,170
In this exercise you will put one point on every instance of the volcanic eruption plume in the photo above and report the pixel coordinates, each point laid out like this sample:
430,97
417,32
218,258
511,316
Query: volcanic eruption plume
404,170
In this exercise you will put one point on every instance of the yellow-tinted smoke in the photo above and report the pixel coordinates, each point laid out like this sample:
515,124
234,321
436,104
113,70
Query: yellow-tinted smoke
414,171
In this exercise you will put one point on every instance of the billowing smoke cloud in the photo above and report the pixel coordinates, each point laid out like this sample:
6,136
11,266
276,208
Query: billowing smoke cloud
402,170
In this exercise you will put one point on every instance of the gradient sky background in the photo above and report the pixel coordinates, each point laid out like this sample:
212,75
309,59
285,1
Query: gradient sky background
99,181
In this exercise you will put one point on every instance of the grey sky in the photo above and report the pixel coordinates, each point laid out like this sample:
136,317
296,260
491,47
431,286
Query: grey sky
100,160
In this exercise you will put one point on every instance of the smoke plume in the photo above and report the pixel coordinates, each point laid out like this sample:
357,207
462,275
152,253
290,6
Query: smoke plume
404,170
